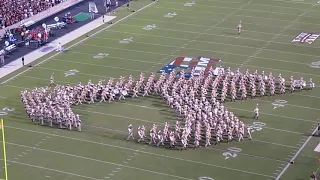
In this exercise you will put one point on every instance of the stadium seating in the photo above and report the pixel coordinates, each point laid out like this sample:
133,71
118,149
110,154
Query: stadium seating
14,11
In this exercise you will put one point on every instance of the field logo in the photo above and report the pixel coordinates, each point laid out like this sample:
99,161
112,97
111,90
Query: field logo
306,37
189,4
231,153
126,40
279,103
188,63
149,27
100,56
315,64
5,111
71,72
170,15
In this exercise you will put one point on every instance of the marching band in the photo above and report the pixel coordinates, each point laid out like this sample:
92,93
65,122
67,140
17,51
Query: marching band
198,100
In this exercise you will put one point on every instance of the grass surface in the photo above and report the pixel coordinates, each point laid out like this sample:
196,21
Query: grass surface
205,29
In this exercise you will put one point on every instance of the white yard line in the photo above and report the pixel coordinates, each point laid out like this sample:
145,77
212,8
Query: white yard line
241,64
211,42
115,57
153,122
214,12
257,140
277,144
81,41
100,65
196,32
200,25
54,170
296,155
154,44
285,1
124,148
225,7
59,70
90,159
276,36
287,117
203,33
303,107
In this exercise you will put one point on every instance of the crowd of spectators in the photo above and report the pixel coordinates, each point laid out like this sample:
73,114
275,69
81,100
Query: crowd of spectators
14,11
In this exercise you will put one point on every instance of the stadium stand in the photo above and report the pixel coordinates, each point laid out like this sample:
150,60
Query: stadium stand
14,11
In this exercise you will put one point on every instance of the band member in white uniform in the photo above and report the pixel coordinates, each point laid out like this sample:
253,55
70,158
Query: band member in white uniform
239,28
130,132
256,112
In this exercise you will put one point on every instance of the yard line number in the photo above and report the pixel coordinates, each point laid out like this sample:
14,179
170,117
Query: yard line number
149,27
256,126
170,15
100,55
71,72
279,103
315,64
189,4
126,40
205,178
231,153
5,111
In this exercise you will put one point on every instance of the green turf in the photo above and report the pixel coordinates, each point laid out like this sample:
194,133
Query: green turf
204,29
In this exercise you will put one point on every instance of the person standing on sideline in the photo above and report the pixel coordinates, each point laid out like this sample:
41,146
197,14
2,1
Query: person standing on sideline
22,60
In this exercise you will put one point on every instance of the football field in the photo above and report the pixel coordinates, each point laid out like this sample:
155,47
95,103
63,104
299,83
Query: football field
147,40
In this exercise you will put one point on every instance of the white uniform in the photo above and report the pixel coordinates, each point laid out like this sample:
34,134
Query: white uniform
59,47
130,132
256,113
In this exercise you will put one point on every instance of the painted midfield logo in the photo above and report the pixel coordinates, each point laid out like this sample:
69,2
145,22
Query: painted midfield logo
306,37
188,63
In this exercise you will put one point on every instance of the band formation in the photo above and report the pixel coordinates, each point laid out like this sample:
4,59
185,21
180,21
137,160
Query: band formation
198,101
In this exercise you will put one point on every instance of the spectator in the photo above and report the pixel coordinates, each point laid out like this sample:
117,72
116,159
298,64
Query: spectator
14,11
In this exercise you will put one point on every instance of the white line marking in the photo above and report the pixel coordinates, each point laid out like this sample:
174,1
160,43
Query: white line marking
304,107
111,174
297,153
63,172
225,7
145,152
79,42
267,142
275,37
143,120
